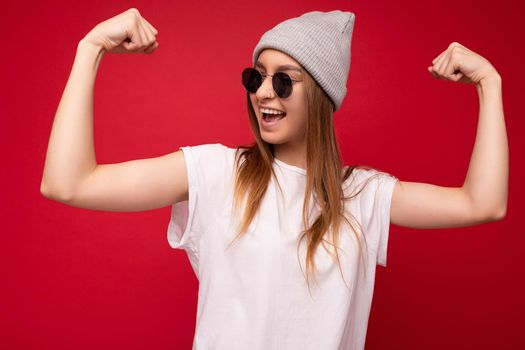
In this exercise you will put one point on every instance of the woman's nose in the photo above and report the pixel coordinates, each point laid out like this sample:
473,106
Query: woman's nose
266,89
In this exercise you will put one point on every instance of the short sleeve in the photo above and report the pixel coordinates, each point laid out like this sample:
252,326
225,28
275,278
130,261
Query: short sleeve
207,168
380,218
181,223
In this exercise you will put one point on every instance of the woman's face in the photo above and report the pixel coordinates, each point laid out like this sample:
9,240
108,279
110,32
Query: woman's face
290,129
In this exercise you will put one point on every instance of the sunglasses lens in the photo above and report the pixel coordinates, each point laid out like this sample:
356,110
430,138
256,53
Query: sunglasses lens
251,79
282,84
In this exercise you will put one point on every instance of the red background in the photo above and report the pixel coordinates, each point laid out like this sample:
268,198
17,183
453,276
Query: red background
73,278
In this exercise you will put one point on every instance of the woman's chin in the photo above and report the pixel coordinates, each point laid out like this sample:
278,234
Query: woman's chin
272,138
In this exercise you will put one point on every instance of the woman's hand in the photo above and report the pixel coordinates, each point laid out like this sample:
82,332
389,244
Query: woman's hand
459,64
127,32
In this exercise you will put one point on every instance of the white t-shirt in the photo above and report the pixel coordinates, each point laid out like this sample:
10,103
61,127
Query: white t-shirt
254,295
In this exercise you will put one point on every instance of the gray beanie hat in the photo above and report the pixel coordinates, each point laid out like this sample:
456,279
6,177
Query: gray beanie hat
320,42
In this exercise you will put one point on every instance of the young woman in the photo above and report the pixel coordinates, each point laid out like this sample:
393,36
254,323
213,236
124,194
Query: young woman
260,223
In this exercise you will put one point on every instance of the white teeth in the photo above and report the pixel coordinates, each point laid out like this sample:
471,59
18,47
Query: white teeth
271,111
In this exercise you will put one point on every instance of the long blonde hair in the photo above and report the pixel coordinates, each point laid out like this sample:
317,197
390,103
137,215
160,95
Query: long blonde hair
324,176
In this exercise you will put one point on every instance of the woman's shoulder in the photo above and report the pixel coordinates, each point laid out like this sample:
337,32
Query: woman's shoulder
366,171
359,172
210,150
210,157
365,177
208,147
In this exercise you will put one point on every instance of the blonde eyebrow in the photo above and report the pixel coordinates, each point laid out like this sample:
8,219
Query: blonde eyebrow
282,67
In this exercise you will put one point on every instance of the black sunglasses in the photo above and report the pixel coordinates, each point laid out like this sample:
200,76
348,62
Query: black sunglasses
282,83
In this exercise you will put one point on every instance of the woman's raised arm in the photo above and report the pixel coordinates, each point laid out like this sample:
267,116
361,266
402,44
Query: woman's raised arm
71,173
483,196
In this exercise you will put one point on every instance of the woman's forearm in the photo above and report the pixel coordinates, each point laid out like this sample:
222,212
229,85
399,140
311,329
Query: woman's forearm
487,177
70,152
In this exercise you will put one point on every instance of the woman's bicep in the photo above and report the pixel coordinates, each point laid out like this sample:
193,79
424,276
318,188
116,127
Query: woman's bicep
424,205
134,185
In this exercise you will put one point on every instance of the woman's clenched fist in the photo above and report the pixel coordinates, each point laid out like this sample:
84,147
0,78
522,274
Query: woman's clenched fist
127,32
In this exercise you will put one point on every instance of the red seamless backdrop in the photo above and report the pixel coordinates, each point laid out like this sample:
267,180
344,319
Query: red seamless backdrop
73,278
